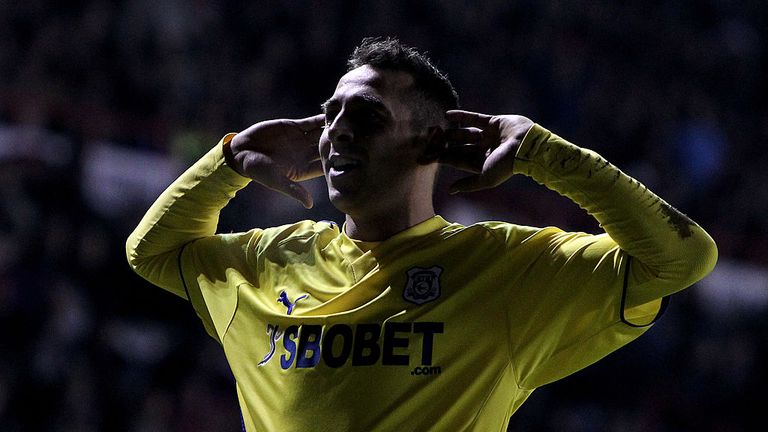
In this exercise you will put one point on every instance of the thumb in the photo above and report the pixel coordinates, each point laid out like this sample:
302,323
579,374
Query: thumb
468,184
276,180
293,190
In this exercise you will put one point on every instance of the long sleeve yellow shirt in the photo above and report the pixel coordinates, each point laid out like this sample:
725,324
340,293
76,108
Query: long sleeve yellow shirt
441,327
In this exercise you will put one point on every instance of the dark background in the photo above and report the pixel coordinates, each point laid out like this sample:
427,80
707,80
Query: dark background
103,104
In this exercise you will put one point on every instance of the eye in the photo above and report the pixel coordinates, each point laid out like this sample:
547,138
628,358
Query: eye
369,117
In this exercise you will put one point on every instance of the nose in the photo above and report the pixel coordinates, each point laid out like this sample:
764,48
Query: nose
340,130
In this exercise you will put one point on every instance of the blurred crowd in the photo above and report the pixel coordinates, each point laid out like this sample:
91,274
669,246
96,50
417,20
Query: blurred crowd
104,103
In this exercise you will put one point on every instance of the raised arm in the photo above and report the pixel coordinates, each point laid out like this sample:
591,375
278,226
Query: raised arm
668,248
275,153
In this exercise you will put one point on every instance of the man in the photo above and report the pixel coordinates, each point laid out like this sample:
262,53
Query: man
400,320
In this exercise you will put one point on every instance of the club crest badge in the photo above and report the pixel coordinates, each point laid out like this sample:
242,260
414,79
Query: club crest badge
423,285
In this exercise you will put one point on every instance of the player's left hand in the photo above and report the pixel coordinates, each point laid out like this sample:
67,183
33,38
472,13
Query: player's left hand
483,144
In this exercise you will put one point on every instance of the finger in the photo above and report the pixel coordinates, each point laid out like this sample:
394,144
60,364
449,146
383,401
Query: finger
468,118
463,135
311,123
466,157
313,154
305,165
313,136
312,127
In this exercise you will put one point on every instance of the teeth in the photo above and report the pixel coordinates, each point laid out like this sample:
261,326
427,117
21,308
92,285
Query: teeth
342,163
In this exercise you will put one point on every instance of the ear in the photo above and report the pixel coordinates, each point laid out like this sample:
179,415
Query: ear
433,147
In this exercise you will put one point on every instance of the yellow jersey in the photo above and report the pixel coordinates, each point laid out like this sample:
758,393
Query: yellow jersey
441,327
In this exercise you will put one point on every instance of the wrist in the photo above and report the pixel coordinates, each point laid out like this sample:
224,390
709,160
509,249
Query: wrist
229,155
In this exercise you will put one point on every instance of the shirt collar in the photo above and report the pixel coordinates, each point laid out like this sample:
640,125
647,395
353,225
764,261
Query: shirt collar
420,229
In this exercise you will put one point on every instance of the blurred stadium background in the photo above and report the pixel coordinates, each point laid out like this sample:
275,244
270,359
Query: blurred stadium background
103,103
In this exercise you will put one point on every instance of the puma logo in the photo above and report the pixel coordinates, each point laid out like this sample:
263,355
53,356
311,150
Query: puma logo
287,302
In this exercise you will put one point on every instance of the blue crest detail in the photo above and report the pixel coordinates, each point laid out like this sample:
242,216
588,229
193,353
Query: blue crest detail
423,284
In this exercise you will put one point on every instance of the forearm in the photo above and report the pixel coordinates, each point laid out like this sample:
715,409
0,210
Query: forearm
668,247
188,210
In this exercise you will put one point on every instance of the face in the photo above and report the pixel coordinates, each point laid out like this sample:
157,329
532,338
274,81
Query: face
370,146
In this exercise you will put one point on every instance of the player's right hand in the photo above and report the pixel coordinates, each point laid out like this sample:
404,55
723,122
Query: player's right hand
279,154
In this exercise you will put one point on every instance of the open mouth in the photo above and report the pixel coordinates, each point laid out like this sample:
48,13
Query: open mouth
342,164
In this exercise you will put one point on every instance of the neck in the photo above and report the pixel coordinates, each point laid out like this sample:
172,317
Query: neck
380,226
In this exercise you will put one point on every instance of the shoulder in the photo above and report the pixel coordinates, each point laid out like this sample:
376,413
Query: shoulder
504,234
514,234
301,231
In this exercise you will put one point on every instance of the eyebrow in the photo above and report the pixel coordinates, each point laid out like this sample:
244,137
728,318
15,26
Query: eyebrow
364,99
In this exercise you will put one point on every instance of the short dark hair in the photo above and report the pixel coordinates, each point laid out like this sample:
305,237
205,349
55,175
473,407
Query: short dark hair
430,83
